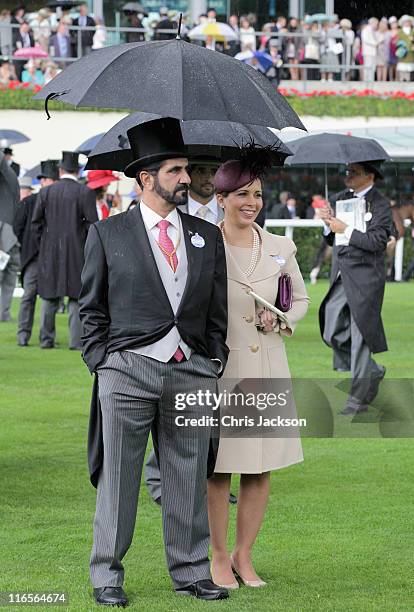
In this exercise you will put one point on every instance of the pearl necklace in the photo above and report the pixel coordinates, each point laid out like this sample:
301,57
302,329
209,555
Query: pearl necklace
255,256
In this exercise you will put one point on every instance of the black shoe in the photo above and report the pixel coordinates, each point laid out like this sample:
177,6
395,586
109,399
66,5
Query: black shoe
110,596
374,386
47,346
232,499
204,589
353,410
22,343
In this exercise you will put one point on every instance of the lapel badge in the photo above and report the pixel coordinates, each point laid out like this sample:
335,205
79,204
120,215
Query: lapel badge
279,259
368,216
198,241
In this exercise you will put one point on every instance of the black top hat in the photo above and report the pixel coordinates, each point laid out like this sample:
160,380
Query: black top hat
154,141
374,167
49,169
70,161
7,151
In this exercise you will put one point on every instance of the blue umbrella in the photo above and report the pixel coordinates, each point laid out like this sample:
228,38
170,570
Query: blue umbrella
86,147
265,60
12,137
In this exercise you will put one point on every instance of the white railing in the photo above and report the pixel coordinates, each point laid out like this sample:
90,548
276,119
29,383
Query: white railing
291,224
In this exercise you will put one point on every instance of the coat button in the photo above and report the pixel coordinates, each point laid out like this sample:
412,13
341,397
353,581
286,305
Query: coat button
254,348
175,321
248,319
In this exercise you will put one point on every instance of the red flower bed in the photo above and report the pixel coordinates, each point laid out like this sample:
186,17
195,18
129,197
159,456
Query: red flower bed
346,93
16,85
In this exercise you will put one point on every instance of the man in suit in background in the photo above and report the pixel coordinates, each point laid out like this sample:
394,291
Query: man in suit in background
146,273
8,156
62,216
83,20
280,209
60,44
350,315
23,40
9,248
29,242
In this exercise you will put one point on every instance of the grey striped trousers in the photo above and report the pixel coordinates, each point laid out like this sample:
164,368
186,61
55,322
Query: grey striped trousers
137,394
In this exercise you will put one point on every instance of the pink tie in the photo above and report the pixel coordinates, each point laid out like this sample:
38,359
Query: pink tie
166,245
167,248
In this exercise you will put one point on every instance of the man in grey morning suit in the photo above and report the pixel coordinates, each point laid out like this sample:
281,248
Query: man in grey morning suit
146,273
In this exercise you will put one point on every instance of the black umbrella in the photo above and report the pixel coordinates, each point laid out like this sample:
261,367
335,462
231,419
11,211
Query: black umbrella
172,78
334,149
203,138
86,147
63,4
12,137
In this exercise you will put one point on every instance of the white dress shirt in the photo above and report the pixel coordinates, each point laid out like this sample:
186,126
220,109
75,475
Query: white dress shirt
174,282
210,210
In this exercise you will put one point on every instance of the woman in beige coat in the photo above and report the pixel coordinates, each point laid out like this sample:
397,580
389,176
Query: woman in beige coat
255,260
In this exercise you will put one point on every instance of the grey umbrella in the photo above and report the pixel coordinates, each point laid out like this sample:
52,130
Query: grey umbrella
202,138
172,78
86,147
334,150
12,137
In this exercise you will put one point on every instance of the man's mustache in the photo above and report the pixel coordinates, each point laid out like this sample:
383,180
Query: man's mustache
183,187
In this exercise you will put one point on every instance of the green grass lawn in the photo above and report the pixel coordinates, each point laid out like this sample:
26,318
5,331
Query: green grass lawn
338,534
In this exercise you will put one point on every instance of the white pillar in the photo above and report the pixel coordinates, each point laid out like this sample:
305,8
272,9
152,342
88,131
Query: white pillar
294,8
329,7
398,258
97,8
196,8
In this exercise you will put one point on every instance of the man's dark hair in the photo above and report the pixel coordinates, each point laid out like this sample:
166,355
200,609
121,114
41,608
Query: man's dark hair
152,169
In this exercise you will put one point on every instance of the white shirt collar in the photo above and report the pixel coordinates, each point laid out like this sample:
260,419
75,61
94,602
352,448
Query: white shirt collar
69,176
194,206
151,218
360,194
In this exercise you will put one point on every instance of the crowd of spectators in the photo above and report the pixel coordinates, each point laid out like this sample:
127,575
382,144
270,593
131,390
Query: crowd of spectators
316,47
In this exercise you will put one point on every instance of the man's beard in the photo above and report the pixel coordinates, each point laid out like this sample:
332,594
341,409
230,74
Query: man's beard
178,197
203,194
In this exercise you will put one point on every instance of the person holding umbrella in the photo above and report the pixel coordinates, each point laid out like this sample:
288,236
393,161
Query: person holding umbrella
62,216
29,242
146,273
350,315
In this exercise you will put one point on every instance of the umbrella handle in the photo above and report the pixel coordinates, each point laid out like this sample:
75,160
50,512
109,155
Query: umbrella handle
178,37
52,96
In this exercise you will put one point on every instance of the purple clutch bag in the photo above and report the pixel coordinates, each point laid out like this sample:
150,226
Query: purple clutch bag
284,293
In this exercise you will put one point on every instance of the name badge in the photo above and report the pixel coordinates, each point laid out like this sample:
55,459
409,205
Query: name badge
198,241
279,259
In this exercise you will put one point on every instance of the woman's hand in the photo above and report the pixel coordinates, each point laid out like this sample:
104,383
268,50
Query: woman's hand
268,320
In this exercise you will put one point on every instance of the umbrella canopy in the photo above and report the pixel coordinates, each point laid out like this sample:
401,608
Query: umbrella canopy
264,60
34,172
218,31
86,147
63,4
203,139
134,7
334,149
172,78
30,53
12,137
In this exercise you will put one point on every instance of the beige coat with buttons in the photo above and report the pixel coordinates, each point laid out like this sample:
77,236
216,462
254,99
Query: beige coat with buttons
257,355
